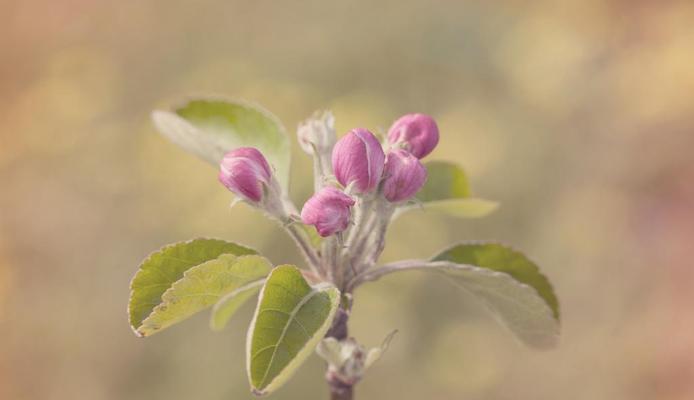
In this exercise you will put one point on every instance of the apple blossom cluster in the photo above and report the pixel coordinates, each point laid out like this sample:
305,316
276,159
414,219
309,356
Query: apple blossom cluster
358,186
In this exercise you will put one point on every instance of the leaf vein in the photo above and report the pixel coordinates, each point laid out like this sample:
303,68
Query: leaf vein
284,331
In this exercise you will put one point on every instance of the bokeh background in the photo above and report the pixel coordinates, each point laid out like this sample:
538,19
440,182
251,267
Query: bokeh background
578,116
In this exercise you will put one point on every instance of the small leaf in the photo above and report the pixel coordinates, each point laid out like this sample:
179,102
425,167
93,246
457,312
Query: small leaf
330,349
210,127
227,306
290,320
162,268
510,284
445,180
376,353
447,190
202,286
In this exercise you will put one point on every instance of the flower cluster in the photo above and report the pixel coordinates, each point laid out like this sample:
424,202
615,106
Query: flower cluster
358,184
362,168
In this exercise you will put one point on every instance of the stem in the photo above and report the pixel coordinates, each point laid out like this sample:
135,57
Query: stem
403,265
318,175
386,213
372,244
329,260
286,210
356,248
339,389
308,251
342,393
360,218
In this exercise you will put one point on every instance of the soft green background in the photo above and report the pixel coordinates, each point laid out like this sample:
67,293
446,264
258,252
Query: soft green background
576,115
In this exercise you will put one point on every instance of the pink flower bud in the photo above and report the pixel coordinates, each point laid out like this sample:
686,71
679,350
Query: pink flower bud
328,210
404,175
244,171
417,133
358,158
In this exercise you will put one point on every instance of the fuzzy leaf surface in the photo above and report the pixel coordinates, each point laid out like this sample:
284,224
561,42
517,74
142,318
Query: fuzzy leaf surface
510,284
290,320
210,127
158,272
202,286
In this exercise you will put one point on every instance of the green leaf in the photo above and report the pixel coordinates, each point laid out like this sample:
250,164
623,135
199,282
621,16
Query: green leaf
202,286
227,306
290,320
447,191
210,127
445,181
510,284
162,268
376,353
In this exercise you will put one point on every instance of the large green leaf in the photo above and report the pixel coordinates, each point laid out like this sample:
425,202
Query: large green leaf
162,268
510,284
202,286
210,127
447,191
505,280
290,320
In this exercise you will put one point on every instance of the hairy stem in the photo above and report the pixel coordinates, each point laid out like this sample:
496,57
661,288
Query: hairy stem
318,174
403,265
356,248
306,249
361,215
385,214
329,257
372,244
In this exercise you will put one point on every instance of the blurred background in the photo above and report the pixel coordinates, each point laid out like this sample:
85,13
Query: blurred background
578,116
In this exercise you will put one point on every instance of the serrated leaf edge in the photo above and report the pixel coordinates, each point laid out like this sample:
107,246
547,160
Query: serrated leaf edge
556,316
160,250
165,303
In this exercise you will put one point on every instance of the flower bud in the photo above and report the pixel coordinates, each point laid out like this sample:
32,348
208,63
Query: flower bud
317,133
404,175
244,171
416,133
358,159
328,210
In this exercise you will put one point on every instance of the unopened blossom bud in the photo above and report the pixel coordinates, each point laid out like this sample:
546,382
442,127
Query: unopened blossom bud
317,133
328,210
358,159
403,176
244,171
416,133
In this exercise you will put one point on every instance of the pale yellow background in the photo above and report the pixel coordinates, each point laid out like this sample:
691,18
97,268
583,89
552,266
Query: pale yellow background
578,116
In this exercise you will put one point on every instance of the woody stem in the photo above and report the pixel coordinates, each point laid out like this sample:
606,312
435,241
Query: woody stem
339,389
